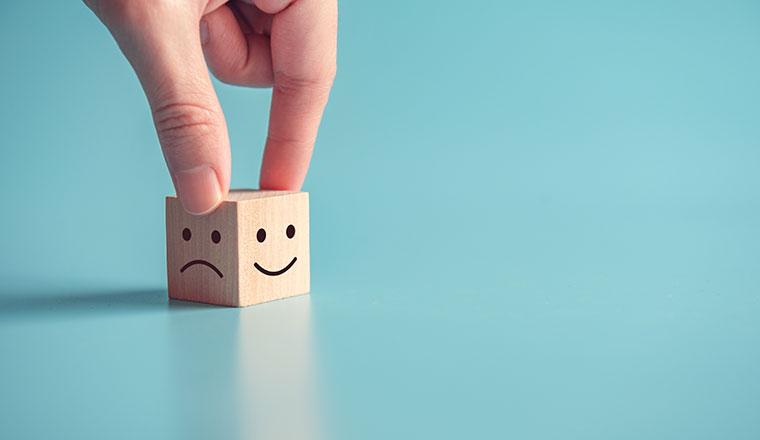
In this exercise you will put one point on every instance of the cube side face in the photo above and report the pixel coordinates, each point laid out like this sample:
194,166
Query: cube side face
201,254
277,266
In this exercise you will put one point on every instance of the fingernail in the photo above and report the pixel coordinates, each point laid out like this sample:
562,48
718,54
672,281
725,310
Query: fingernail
198,190
204,32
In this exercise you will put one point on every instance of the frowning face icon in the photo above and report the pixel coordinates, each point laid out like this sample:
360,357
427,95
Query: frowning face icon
216,237
253,248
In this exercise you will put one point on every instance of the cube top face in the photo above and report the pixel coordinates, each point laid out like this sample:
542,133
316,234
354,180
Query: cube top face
244,195
253,248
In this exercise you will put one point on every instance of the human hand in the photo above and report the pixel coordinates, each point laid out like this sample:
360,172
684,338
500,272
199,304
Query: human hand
289,45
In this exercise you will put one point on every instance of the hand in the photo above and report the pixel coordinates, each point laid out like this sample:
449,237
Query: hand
287,44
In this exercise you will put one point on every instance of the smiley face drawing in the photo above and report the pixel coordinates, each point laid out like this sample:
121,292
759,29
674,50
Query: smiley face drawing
253,248
261,236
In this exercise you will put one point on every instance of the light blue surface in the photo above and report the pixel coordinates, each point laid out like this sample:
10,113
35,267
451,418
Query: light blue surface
529,220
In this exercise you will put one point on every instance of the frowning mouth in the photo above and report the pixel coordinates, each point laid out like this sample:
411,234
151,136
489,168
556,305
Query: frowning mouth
203,262
275,273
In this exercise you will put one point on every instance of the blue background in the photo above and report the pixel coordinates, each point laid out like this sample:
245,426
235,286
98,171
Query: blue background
531,220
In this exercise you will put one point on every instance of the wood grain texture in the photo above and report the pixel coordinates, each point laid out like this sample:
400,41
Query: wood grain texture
233,266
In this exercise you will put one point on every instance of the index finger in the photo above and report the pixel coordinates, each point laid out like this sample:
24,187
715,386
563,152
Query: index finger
304,46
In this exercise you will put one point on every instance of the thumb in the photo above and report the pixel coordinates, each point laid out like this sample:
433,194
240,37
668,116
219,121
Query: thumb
162,42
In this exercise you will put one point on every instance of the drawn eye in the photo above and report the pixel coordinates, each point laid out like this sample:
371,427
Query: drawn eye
186,234
216,237
290,231
261,235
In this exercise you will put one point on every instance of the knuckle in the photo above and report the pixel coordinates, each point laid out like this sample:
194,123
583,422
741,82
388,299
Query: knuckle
292,144
111,11
316,86
272,6
119,12
179,123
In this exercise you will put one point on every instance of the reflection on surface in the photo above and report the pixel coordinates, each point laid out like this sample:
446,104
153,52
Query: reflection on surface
23,306
276,370
245,373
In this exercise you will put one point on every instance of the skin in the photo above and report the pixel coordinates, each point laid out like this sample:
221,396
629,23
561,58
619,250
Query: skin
289,45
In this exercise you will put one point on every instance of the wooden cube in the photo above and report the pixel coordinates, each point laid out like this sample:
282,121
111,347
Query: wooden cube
253,248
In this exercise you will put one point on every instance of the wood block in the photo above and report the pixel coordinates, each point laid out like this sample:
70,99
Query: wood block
253,248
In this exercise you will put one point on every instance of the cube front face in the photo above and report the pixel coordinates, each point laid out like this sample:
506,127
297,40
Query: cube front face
273,247
202,264
253,248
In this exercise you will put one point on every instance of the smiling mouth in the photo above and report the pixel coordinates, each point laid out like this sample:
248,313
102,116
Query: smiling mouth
203,262
279,272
